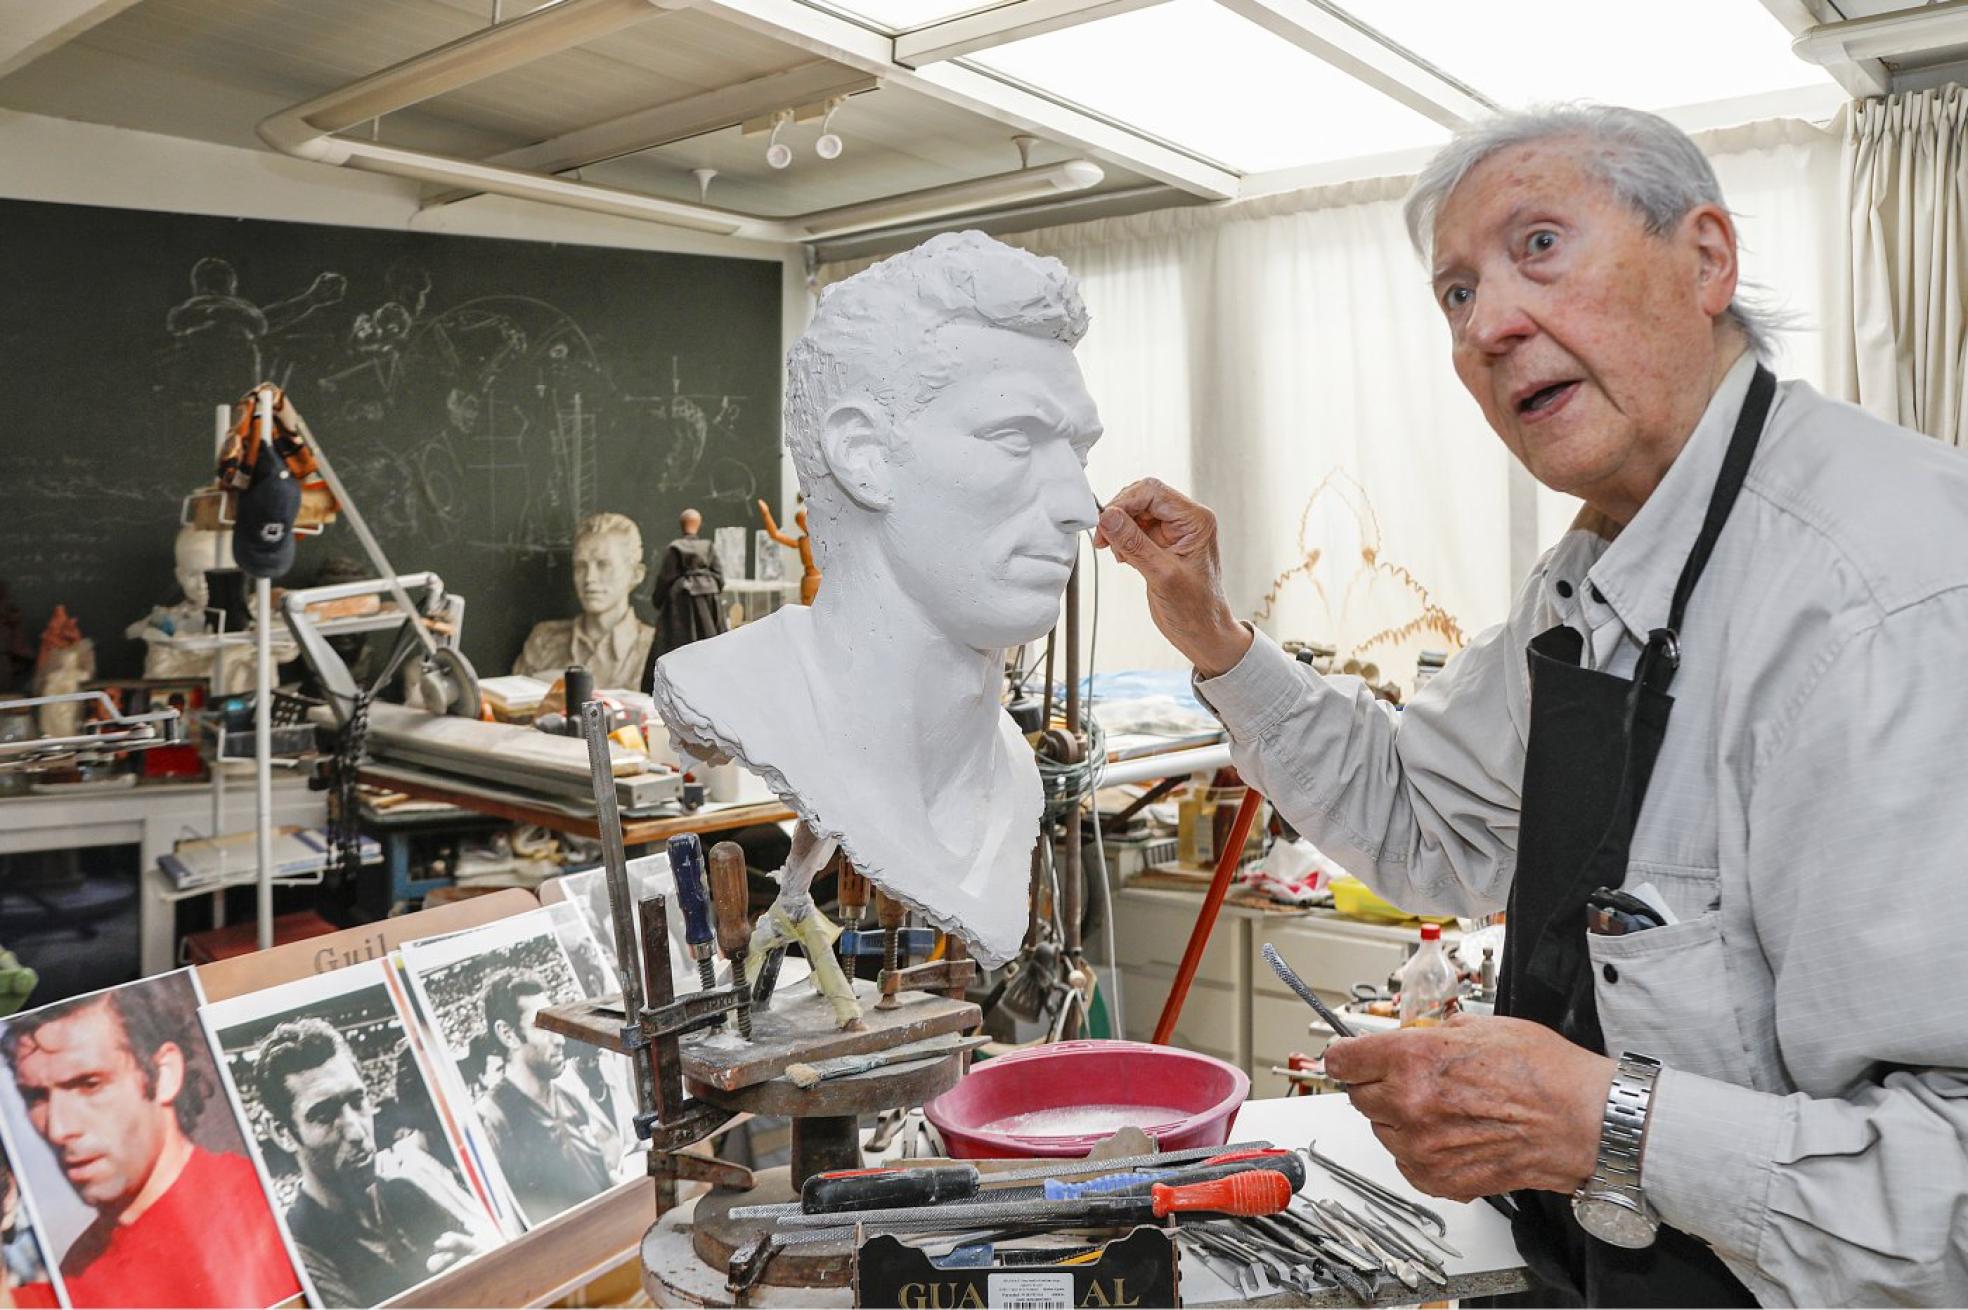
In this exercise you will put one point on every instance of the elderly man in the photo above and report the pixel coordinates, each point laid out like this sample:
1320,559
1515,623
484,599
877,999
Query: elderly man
607,637
1752,1086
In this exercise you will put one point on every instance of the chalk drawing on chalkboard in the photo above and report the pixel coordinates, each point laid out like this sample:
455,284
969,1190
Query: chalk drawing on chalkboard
733,484
218,333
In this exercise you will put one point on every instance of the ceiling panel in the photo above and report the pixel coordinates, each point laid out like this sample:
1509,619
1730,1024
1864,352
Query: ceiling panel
1658,55
1210,82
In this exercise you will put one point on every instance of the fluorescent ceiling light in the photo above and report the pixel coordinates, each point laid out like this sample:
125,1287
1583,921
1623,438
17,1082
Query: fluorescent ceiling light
958,198
1659,55
1201,78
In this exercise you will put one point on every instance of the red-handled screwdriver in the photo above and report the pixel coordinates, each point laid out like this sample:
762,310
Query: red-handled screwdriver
1254,1192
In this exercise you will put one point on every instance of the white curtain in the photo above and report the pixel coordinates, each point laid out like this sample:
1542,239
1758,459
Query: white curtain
1282,360
1905,347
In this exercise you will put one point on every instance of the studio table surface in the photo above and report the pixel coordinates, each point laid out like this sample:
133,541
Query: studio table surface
1489,1263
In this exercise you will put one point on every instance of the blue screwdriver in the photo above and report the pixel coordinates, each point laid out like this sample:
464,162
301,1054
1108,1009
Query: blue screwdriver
687,867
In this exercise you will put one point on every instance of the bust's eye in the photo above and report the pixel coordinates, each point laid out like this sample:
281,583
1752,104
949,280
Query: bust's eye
1541,242
1015,440
1457,297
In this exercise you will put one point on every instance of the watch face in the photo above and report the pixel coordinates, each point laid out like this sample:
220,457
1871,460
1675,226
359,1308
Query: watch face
1614,1220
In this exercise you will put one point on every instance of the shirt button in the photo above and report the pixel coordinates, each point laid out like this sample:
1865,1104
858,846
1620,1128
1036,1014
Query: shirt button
1564,589
1610,974
1598,595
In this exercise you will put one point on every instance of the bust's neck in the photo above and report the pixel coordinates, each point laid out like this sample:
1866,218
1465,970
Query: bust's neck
929,704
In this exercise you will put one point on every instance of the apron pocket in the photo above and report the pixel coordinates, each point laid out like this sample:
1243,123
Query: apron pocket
1665,993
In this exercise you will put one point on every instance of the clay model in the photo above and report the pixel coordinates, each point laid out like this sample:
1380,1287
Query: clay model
940,427
607,636
67,660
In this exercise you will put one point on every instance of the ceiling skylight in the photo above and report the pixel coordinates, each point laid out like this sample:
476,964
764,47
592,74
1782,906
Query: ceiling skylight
1202,78
907,15
1658,55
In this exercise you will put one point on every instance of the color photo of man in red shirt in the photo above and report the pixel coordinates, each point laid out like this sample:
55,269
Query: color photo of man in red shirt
120,1086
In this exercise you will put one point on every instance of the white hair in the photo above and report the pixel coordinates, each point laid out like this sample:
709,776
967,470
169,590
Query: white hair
1649,163
875,334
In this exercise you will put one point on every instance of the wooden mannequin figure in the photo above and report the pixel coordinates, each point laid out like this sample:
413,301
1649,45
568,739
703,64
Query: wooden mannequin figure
810,578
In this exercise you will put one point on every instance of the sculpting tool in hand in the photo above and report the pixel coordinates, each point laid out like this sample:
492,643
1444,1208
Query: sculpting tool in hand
1051,1169
1306,994
731,896
687,866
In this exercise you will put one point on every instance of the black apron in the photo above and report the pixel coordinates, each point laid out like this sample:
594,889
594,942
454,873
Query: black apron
1593,741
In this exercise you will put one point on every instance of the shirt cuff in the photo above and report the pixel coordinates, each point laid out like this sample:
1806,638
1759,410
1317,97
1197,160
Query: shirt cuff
1252,697
1710,1153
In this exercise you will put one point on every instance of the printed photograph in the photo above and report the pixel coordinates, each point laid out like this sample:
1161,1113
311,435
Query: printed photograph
555,1116
587,891
349,1134
24,1277
127,1146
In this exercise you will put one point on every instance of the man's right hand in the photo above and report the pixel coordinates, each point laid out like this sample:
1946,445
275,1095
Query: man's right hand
451,1248
1170,541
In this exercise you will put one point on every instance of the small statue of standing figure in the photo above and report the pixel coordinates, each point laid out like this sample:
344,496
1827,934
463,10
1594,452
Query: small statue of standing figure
810,576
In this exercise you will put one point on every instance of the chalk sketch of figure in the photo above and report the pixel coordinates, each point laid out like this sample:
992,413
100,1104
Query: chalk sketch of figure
224,329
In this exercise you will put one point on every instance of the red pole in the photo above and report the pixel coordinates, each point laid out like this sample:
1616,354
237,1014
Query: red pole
1192,957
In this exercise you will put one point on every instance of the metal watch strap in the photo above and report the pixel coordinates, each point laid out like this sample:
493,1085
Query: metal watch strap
1623,1131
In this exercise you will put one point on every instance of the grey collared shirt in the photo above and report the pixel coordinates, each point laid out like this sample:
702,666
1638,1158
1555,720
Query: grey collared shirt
1807,824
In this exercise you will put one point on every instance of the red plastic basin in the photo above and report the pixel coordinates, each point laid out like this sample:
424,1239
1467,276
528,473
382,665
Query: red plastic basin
1061,1100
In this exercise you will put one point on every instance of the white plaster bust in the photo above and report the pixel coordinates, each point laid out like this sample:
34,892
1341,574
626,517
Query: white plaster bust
192,552
939,424
607,637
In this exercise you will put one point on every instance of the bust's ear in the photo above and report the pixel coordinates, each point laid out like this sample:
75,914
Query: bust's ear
854,442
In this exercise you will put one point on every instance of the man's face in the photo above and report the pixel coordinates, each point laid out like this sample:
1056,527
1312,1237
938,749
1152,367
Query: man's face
1586,340
85,1095
334,1124
543,1053
606,569
989,488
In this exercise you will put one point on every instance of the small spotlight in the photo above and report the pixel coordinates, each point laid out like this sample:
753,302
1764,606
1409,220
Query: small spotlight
777,153
829,144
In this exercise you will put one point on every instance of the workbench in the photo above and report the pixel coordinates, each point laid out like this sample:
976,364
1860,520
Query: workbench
153,817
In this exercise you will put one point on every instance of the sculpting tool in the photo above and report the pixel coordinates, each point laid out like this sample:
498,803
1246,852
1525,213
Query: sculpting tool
687,866
808,1076
1050,1169
730,895
891,914
1252,1192
1139,1182
1306,994
1366,1186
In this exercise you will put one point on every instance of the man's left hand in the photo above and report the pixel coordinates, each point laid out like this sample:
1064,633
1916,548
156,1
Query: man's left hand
1479,1106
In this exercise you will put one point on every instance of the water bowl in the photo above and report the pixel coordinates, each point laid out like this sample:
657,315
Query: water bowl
1059,1101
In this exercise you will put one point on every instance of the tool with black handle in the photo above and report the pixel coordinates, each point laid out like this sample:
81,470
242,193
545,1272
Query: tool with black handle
687,867
1049,1170
1251,1192
731,895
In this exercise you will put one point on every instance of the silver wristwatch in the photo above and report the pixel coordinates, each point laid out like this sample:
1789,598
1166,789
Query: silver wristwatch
1611,1206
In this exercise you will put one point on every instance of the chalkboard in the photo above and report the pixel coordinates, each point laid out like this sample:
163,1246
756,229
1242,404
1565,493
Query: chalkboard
478,397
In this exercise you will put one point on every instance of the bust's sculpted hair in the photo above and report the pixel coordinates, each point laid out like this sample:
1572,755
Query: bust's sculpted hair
876,335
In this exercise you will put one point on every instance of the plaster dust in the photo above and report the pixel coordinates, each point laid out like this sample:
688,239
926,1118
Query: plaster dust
939,425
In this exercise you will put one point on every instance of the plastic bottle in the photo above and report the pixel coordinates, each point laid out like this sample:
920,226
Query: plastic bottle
1428,983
